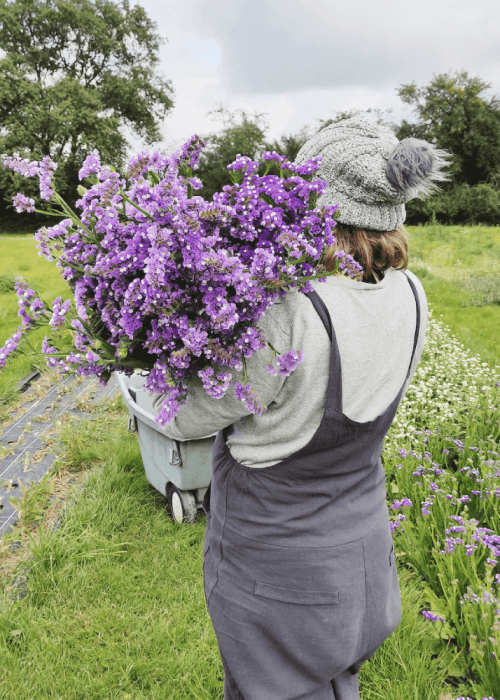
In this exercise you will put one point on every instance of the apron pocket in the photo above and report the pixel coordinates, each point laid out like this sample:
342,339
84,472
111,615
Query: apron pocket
291,595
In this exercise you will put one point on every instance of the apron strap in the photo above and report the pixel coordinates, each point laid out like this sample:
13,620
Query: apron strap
417,329
334,390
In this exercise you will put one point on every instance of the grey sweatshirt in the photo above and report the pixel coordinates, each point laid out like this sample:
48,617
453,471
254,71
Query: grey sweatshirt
375,327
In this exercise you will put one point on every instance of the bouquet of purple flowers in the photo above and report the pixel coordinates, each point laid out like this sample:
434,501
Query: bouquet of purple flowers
166,282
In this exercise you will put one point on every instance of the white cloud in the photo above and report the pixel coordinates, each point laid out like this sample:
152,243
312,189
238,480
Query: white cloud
302,60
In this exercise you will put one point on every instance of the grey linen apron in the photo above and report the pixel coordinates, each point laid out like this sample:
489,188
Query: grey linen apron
299,572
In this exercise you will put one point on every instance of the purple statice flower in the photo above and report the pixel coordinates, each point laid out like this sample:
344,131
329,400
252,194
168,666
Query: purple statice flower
431,616
455,528
31,308
23,203
214,384
46,169
195,340
170,406
22,166
245,394
451,543
91,165
178,284
425,507
273,156
11,345
288,362
59,311
403,503
48,349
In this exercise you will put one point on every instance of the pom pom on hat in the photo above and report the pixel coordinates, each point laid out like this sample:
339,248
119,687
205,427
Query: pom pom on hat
370,174
414,166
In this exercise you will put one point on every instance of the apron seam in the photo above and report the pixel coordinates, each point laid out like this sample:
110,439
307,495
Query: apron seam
309,548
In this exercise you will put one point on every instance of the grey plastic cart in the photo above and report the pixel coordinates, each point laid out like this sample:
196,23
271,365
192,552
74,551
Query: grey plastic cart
179,469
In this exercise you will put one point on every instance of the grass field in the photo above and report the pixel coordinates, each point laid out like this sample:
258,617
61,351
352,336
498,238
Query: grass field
114,604
18,256
459,268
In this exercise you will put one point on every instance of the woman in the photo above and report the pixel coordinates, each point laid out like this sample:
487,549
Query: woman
299,570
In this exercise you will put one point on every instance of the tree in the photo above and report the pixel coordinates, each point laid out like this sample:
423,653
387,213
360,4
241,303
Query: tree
453,115
290,144
241,134
74,74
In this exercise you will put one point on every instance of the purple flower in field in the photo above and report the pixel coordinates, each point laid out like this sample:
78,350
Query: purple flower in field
91,165
23,203
431,616
446,452
455,528
403,503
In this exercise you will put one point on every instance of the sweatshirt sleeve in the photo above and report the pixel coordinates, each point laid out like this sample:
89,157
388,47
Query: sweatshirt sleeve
202,415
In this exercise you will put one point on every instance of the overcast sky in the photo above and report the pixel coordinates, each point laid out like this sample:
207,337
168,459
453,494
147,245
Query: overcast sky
300,61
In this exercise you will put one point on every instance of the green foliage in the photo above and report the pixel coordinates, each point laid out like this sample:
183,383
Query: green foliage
242,134
453,115
462,204
74,74
290,144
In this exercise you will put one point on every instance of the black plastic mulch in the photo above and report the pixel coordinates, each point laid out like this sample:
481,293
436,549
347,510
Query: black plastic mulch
25,438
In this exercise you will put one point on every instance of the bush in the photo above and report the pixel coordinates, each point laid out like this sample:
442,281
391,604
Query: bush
462,205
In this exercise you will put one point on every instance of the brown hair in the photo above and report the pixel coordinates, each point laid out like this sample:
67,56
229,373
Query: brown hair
376,251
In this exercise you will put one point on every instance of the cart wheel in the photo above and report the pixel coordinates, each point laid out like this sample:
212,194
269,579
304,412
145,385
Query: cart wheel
182,504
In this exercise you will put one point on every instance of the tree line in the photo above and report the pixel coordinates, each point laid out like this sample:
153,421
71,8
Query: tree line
74,75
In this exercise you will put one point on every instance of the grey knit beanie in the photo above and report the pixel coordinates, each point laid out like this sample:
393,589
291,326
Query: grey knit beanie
371,174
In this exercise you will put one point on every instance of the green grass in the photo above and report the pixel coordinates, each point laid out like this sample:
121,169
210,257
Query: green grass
18,256
457,267
115,605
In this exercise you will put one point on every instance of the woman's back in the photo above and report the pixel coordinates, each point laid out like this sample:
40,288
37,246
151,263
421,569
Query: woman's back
374,326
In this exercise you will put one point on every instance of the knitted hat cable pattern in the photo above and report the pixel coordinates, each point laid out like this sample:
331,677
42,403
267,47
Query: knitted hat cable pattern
371,174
